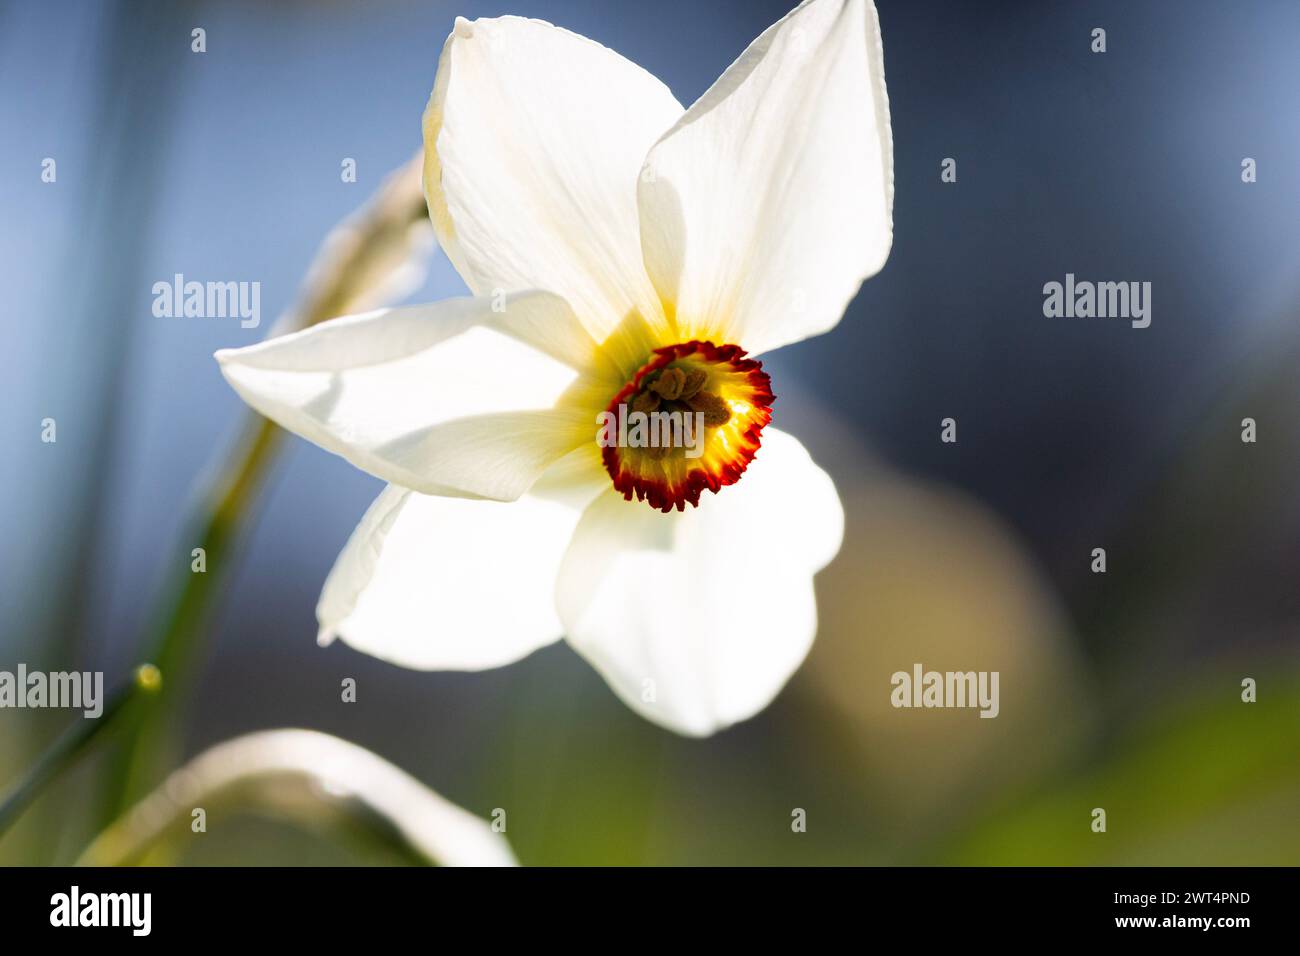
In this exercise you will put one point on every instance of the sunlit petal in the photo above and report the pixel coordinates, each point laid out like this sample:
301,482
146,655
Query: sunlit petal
534,137
453,398
769,202
448,583
697,619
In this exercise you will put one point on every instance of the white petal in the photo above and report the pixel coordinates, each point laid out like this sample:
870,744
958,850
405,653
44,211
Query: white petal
698,619
534,138
771,200
451,398
448,583
576,479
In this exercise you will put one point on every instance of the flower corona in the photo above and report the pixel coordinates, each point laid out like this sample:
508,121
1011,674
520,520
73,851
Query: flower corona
726,396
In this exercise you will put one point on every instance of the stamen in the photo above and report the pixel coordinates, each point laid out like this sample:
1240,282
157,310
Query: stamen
669,383
715,409
646,402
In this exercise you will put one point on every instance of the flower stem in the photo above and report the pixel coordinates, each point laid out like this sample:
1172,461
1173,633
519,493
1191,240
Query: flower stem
215,527
146,681
354,269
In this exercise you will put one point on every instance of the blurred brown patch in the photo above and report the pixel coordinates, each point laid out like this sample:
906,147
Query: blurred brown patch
927,575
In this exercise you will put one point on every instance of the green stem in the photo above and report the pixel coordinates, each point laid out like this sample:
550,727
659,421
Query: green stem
216,528
359,257
63,752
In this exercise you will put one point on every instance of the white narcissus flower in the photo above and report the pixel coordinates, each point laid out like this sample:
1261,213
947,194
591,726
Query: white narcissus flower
609,237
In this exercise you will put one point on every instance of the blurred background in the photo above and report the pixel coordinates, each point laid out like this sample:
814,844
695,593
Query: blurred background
1118,690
